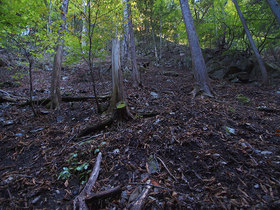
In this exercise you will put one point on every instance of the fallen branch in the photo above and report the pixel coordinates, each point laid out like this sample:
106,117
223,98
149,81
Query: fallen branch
79,201
104,194
45,101
152,185
7,97
267,109
138,204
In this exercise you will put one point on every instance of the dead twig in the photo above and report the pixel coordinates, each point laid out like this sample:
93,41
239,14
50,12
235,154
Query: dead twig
80,199
167,168
11,198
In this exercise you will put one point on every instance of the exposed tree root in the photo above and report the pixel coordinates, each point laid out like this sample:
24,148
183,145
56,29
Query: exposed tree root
201,91
117,114
97,127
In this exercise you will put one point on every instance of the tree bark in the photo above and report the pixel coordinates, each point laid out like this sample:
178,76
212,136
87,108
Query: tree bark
252,43
275,7
56,73
198,63
118,90
135,72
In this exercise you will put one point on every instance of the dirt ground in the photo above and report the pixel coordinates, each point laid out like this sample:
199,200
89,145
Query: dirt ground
220,152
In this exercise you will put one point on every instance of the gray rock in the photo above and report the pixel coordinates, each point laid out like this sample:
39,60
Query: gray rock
19,134
154,95
59,119
219,74
116,152
8,122
74,105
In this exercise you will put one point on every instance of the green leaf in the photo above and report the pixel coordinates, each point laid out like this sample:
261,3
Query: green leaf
121,105
96,150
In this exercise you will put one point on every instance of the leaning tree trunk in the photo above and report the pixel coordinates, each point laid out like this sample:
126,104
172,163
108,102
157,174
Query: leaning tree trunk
252,43
135,72
198,63
275,7
56,73
118,103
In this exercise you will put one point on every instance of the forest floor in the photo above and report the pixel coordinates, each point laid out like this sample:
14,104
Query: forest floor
221,152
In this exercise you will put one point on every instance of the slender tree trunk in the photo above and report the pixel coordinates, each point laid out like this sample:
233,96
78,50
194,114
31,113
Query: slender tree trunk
49,6
257,54
56,73
198,63
84,25
125,41
275,7
215,23
154,40
90,62
31,87
118,102
135,72
160,28
49,20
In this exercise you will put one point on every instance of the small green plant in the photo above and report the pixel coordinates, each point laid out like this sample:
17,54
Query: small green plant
243,99
232,110
18,76
77,166
138,116
99,146
65,174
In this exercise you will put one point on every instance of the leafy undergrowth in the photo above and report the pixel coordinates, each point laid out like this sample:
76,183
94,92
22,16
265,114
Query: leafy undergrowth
220,153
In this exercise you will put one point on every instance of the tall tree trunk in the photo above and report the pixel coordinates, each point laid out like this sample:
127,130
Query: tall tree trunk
275,7
198,63
118,103
84,25
125,41
56,73
135,72
160,29
252,43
